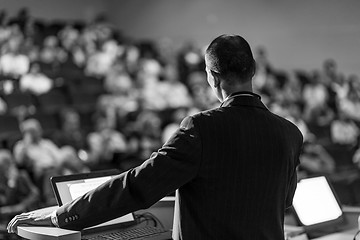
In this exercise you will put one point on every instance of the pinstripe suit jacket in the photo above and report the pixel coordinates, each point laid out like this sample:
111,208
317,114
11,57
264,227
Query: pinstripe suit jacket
233,166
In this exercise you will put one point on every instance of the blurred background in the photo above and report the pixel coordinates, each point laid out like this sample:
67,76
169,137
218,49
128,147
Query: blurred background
89,84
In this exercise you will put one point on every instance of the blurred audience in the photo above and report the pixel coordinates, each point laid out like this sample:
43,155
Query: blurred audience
42,158
3,107
344,131
12,62
148,129
315,160
348,97
17,192
174,93
52,53
35,81
293,113
71,133
356,158
40,154
104,145
145,90
263,69
177,116
117,80
101,61
315,97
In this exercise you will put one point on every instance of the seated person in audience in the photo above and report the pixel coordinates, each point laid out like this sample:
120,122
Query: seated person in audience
100,62
177,116
71,133
189,59
35,81
17,192
203,97
104,144
148,126
292,90
3,107
174,92
263,69
356,157
149,83
293,113
349,98
117,80
13,63
315,160
122,95
4,33
43,158
344,131
132,58
52,53
315,96
70,40
330,75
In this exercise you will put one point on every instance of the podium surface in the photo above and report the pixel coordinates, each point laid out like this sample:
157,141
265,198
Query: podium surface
163,210
47,233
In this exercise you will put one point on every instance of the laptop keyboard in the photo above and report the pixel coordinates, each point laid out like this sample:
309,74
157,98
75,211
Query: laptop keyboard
129,234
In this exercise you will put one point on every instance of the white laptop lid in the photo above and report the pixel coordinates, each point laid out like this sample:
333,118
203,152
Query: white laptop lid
315,202
69,187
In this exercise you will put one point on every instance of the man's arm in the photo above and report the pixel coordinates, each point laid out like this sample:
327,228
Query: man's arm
175,164
172,166
293,177
291,189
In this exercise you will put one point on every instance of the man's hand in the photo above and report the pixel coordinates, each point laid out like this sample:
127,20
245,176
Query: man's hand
30,218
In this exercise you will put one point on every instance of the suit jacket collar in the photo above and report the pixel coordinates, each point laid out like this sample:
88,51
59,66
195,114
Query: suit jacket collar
243,99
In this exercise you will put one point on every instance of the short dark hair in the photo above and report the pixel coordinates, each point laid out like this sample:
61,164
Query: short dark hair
231,55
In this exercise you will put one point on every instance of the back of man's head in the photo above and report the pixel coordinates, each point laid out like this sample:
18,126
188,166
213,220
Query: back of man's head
231,57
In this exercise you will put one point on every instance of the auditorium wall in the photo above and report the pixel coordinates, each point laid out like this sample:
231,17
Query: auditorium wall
72,10
297,34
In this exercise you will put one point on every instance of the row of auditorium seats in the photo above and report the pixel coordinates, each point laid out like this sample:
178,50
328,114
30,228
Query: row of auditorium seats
52,101
73,82
80,93
50,122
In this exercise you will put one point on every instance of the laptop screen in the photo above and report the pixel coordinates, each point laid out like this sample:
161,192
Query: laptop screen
69,187
315,202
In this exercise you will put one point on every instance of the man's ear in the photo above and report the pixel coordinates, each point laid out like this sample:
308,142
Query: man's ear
253,69
216,77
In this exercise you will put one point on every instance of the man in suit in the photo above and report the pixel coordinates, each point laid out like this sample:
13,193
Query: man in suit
234,167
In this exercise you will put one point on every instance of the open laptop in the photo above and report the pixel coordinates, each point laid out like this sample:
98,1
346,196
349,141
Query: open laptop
317,207
69,187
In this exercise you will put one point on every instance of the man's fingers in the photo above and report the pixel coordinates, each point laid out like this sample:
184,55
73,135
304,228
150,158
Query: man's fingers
31,218
23,218
14,223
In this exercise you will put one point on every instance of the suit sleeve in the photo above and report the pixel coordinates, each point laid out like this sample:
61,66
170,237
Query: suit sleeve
291,190
293,176
172,166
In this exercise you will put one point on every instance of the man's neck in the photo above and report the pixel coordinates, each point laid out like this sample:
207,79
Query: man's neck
246,87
